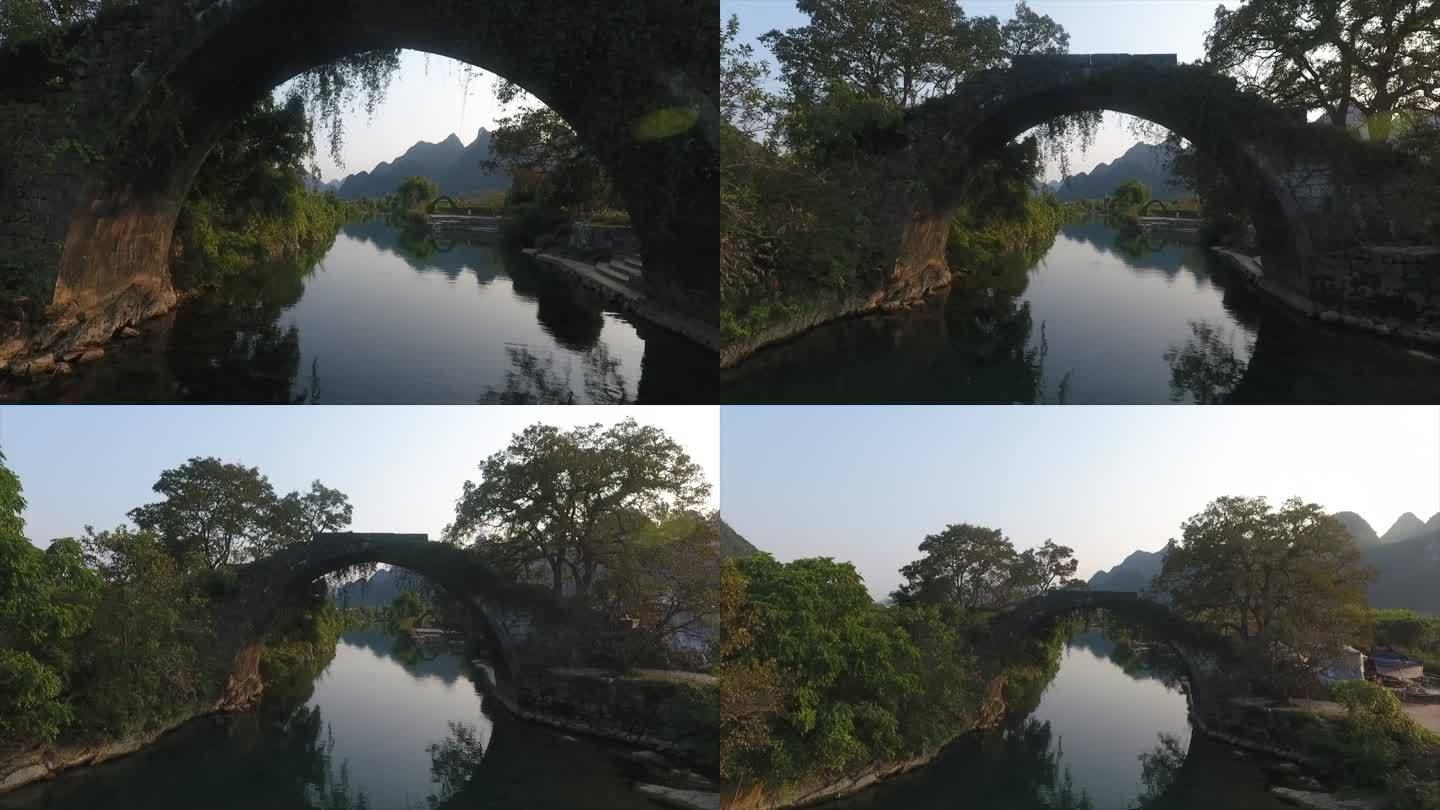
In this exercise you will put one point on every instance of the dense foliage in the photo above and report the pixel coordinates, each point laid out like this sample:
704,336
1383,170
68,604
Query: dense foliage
1372,57
249,203
793,240
566,499
115,633
215,513
1291,575
818,679
1414,634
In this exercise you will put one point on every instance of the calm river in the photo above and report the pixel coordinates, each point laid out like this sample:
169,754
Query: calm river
382,318
1110,733
383,730
1100,318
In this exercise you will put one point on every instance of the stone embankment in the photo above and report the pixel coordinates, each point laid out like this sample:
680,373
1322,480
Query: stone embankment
54,341
605,259
1387,290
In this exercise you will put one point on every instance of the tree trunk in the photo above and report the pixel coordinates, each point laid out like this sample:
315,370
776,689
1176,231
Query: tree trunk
557,576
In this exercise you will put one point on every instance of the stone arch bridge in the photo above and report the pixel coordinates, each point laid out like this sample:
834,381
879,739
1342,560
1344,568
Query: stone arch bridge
1343,224
1211,660
527,627
104,126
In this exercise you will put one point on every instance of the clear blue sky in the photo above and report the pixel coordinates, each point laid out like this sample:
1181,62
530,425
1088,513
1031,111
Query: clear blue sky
866,484
1095,26
403,467
429,98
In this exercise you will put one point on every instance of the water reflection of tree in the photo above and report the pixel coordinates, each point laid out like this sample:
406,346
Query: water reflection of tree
533,380
1040,764
228,346
1207,368
453,761
1159,770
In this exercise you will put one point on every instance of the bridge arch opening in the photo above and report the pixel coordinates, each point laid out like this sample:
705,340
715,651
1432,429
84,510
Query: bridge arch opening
964,129
514,617
641,96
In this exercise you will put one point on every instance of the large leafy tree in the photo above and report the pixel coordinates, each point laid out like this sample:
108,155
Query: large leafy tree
665,576
965,565
416,192
536,140
297,516
1381,57
898,51
47,598
903,51
565,499
1287,574
1046,567
1130,194
212,511
812,624
745,103
216,513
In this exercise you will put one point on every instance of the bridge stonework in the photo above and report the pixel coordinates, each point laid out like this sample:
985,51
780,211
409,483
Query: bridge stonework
528,627
104,126
1321,199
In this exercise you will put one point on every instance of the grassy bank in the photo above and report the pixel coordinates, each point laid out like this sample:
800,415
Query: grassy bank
1415,634
216,240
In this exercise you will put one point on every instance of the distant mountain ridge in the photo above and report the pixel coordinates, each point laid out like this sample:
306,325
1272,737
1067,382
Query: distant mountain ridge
1134,573
1408,572
732,545
379,590
1405,527
1143,161
1406,560
453,166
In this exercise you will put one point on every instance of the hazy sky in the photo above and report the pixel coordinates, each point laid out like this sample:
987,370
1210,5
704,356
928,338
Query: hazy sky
403,467
425,102
1095,26
867,484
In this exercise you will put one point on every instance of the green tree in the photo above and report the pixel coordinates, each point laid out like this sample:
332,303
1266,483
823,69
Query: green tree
408,605
297,517
212,511
745,104
1039,570
665,576
1029,33
902,52
416,192
849,664
217,513
965,565
46,600
537,140
751,690
1378,56
566,498
1288,575
149,659
1130,194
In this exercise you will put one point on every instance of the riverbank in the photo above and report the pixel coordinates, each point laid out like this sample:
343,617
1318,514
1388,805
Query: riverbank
210,246
818,789
979,245
1366,303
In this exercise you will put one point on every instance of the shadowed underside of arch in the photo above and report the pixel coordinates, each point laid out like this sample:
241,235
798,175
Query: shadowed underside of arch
1037,614
513,614
1312,190
107,126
